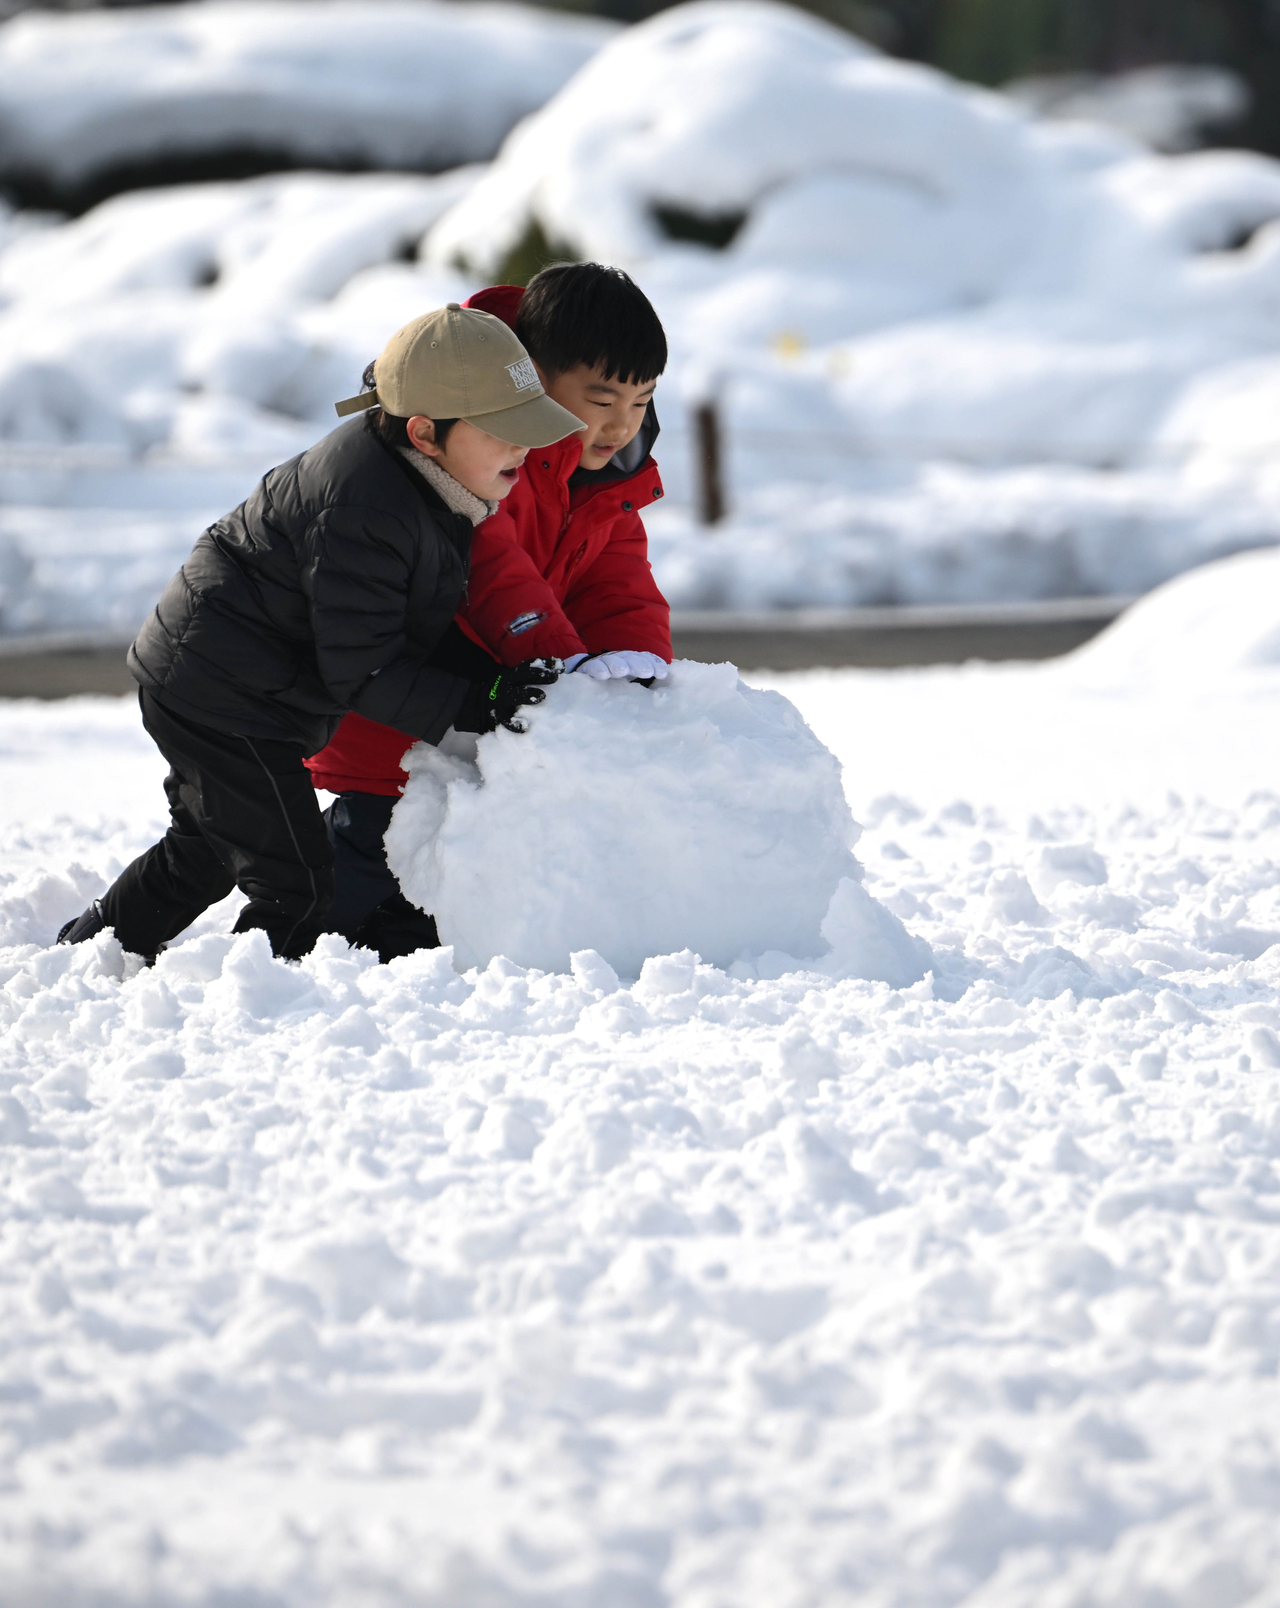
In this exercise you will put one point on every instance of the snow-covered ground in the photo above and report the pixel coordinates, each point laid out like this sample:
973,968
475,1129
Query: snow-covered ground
959,353
339,1283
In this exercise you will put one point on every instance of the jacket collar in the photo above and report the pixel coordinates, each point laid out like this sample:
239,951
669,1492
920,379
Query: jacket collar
455,496
460,526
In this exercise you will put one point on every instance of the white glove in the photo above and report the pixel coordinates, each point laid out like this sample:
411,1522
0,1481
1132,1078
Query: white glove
626,664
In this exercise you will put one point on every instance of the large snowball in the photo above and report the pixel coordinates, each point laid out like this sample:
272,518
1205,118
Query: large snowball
700,815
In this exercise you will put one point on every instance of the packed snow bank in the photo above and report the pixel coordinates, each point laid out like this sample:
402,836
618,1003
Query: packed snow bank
956,533
378,83
697,815
1224,617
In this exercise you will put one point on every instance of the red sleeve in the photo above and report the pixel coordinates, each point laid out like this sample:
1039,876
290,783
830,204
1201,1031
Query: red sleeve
510,607
615,602
362,757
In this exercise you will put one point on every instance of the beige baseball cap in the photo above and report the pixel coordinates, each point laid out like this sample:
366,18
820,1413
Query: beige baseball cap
460,363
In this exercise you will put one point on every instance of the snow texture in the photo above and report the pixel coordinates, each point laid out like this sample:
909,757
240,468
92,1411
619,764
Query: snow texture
377,83
697,815
332,1283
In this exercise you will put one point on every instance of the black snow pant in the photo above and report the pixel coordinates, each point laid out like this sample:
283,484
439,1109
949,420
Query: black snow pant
243,814
368,908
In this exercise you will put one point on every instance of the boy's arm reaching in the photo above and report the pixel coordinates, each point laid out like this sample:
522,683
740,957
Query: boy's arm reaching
356,582
510,606
615,603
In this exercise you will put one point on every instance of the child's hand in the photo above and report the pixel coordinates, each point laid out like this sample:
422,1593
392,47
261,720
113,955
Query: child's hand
625,664
497,702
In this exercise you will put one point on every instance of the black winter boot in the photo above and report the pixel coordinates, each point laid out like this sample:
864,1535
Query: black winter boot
81,928
88,925
397,928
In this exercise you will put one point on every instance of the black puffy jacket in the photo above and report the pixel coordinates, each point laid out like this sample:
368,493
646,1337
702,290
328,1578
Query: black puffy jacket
328,589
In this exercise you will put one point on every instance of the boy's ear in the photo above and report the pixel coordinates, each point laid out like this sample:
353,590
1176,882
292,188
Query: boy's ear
422,433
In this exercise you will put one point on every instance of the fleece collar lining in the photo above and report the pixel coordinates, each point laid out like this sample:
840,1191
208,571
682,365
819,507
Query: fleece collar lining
451,492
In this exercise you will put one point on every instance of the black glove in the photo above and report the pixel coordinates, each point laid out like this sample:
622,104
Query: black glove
492,703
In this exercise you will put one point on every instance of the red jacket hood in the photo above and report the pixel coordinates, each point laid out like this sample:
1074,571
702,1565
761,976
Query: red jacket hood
503,301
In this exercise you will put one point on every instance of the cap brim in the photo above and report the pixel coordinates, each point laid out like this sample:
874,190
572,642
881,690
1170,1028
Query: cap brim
536,423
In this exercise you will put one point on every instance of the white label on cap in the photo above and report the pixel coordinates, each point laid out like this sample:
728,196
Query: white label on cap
523,374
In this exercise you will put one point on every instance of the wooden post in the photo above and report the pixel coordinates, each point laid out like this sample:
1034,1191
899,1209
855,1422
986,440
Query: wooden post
706,431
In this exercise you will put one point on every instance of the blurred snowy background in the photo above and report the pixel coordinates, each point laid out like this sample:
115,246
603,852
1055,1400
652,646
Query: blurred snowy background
964,344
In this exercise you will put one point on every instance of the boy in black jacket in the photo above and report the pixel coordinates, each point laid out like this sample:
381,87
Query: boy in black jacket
333,587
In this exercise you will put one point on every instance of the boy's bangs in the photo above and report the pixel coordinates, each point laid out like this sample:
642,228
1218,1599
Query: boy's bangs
585,313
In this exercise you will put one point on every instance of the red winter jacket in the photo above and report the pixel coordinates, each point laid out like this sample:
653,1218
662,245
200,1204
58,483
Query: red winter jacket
558,570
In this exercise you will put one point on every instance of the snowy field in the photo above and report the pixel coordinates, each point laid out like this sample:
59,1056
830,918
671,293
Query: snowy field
959,353
341,1284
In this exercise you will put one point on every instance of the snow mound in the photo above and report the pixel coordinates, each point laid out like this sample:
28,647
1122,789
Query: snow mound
213,318
1223,617
913,275
1015,267
380,83
702,815
827,151
956,533
1171,108
813,153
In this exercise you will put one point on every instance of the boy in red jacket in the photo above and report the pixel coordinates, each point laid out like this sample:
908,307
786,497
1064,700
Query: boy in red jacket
561,570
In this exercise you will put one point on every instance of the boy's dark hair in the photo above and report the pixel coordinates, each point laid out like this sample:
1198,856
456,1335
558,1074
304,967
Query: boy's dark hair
391,427
583,312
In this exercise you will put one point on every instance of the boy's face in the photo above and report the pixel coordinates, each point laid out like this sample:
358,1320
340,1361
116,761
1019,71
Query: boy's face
484,465
612,410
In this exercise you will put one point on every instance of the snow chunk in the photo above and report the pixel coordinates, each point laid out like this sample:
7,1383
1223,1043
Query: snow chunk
702,815
1075,864
350,1277
868,941
815,1169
